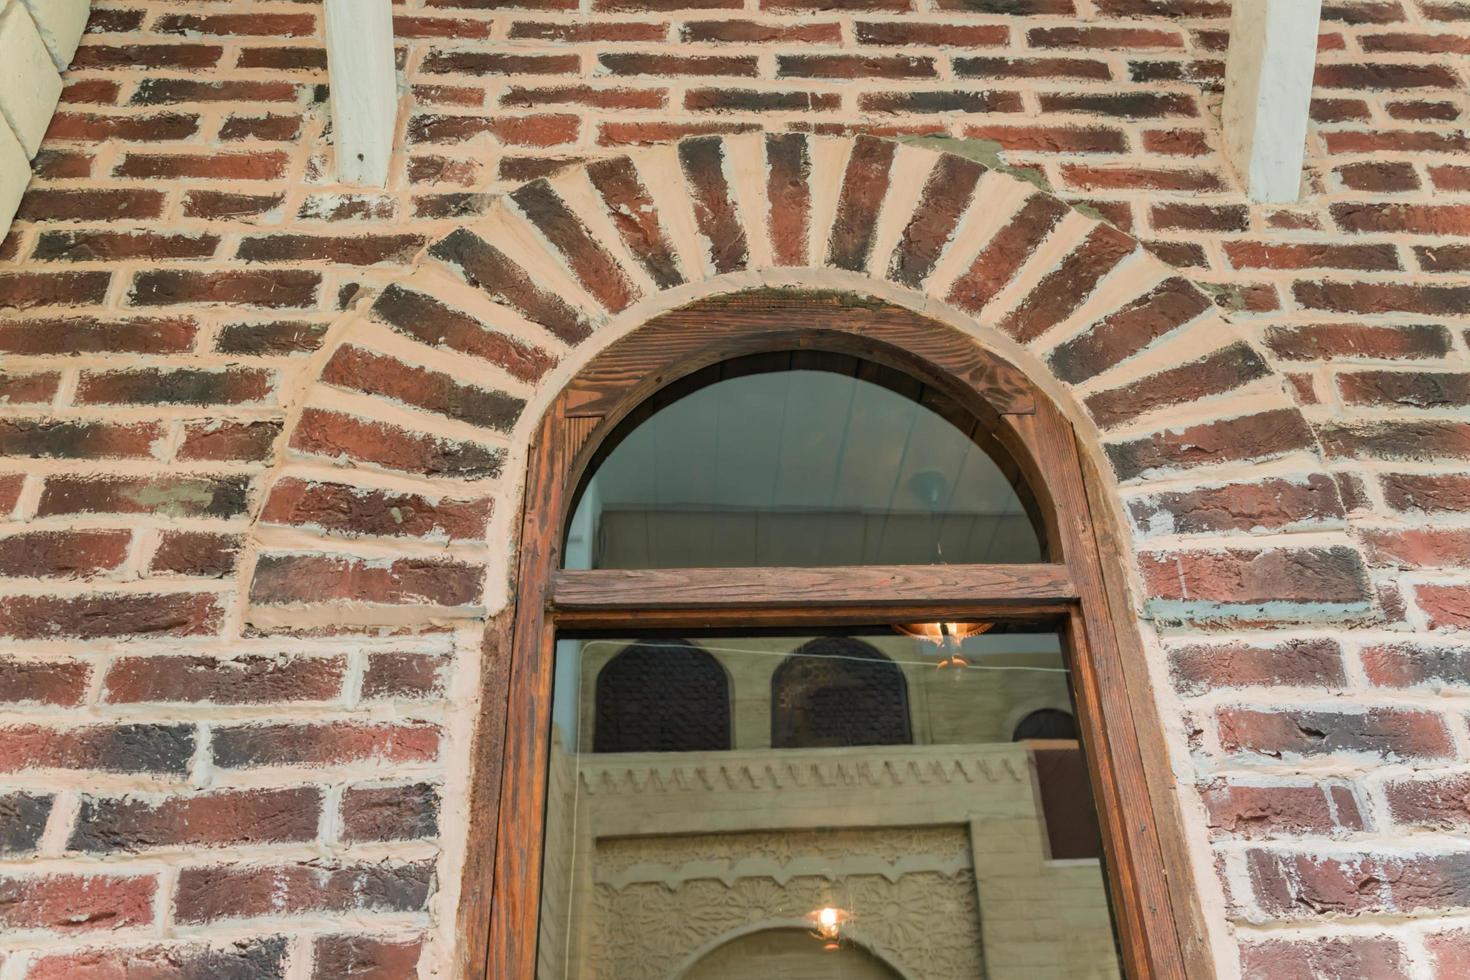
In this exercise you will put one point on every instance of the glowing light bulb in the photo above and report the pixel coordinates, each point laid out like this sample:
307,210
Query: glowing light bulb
827,925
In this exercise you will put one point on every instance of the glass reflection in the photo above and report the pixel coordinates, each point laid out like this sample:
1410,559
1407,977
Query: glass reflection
813,807
800,459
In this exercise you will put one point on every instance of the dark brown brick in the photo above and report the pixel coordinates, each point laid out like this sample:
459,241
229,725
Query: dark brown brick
229,818
199,554
592,265
26,290
112,204
1390,733
324,744
43,439
1215,374
427,320
1071,69
715,211
1262,436
1378,297
243,679
130,57
1275,504
408,676
121,246
854,66
247,441
23,819
385,813
863,188
1061,291
633,212
98,615
1131,329
377,374
63,554
1003,256
270,289
1334,341
332,434
946,196
1427,493
486,268
356,249
160,749
1199,669
210,892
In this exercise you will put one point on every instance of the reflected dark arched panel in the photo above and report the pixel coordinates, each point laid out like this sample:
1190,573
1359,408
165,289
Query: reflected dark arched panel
837,691
1048,723
662,696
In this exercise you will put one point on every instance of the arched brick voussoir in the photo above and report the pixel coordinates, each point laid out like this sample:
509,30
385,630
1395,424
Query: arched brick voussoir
395,495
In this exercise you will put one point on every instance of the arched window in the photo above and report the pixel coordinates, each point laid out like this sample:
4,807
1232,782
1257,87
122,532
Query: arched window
662,696
837,691
779,472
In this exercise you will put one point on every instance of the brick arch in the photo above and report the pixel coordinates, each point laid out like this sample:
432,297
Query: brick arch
394,503
394,500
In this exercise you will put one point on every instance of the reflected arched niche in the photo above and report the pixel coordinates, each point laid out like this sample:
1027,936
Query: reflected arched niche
838,691
801,458
788,954
662,696
1047,723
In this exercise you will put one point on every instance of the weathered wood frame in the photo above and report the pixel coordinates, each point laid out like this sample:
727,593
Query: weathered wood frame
1158,919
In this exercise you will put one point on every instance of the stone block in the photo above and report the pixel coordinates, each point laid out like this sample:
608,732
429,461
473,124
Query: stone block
15,174
29,83
60,24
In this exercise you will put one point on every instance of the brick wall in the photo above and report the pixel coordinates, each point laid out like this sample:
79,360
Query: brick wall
235,731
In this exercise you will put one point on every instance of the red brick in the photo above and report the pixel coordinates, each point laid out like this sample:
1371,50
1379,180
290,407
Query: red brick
1450,178
334,435
26,290
854,66
172,496
522,97
1446,606
158,749
130,57
111,246
1418,219
176,91
643,133
1430,802
1443,258
1177,142
316,578
268,289
1088,177
1052,139
1407,440
1271,504
28,389
1383,178
42,439
1262,436
63,554
242,679
230,206
1300,885
485,267
59,164
247,441
49,681
408,676
76,902
998,68
43,204
254,23
1279,809
1373,297
152,128
256,959
588,261
1292,663
1412,389
1379,958
220,819
358,249
715,212
481,63
446,27
325,744
761,100
1061,291
1385,75
1266,577
182,386
99,615
386,813
1335,341
1006,253
1299,733
1180,216
1450,954
366,958
1429,493
208,893
214,166
1103,37
1274,255
195,553
590,32
427,320
888,33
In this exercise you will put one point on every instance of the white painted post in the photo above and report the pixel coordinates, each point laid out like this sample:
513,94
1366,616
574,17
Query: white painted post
364,88
1268,93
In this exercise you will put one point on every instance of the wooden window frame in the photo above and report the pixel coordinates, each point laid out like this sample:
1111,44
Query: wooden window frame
1156,909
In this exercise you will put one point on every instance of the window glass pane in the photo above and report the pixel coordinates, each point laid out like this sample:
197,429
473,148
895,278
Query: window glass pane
800,459
867,805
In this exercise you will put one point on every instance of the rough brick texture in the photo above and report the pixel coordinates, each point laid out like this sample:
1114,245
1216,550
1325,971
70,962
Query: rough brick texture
260,433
